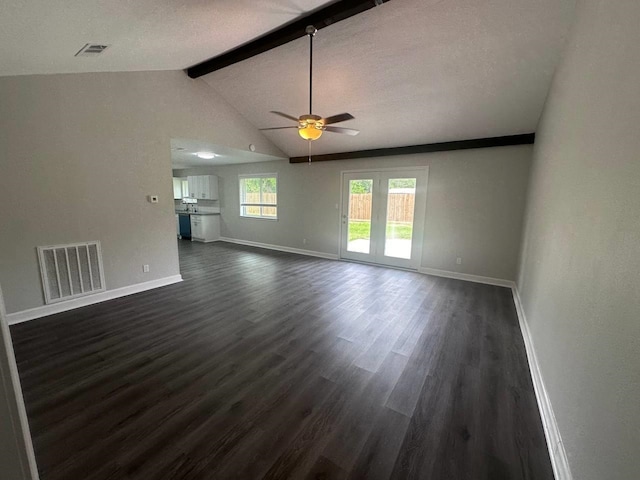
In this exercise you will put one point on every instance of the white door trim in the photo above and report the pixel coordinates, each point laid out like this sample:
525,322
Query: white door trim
386,169
12,394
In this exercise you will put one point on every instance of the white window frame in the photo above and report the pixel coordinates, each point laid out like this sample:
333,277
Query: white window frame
261,204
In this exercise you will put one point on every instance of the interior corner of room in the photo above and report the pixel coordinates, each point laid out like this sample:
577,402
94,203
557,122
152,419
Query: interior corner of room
487,174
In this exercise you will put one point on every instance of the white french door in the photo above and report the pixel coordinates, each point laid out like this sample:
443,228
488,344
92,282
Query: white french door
383,216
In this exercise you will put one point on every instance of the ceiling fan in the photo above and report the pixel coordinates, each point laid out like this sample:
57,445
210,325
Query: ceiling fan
310,127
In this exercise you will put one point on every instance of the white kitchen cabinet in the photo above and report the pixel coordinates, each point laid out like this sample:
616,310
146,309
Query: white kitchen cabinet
203,187
196,226
193,186
210,186
205,228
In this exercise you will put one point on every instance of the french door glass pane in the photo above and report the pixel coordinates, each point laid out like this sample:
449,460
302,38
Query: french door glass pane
360,192
401,200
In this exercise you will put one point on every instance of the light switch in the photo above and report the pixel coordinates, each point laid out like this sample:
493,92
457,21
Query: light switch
153,198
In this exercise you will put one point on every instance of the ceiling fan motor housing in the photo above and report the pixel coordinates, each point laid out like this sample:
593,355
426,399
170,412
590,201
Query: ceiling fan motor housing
311,127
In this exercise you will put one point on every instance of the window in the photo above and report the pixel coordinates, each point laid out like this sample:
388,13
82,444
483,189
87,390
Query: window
259,196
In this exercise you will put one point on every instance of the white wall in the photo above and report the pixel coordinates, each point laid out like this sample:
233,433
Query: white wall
78,156
475,202
579,276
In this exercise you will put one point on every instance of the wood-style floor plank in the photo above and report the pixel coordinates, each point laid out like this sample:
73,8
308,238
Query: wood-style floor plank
265,364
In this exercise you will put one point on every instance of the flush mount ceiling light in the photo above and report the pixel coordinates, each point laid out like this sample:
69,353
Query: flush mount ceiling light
310,127
205,155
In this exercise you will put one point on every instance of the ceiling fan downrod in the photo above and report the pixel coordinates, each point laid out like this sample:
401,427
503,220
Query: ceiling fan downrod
311,31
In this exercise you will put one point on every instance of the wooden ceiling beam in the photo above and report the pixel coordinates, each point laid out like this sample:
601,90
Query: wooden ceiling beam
523,139
320,18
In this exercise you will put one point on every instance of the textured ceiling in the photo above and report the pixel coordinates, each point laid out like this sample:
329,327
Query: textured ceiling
411,72
38,36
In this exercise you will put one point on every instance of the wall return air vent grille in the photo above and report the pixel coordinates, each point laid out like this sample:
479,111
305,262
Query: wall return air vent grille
91,50
70,271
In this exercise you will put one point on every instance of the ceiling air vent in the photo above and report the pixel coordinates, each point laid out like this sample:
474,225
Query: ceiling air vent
91,50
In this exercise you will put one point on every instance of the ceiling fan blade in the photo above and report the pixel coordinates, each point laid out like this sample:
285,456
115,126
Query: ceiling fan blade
276,128
342,117
290,117
346,131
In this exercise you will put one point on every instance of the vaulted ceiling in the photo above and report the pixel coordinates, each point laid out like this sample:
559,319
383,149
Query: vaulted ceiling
42,36
410,71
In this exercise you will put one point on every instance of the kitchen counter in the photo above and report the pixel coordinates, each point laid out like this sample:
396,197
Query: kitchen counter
182,212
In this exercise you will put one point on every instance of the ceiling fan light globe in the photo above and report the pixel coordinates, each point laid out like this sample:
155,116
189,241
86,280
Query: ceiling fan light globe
310,132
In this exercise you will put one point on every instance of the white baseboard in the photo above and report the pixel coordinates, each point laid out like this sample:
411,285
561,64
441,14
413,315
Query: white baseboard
46,310
466,276
557,452
299,251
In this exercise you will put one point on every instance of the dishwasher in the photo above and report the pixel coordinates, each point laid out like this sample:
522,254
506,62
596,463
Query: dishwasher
185,225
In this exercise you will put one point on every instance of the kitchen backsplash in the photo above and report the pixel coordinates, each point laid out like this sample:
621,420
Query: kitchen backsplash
203,206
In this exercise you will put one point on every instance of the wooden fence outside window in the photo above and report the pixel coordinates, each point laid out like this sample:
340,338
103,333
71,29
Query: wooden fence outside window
400,207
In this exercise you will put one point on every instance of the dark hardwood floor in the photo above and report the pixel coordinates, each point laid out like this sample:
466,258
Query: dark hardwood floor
270,365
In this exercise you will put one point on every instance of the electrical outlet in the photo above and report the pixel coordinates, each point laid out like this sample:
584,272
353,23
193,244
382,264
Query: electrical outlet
459,260
304,241
145,268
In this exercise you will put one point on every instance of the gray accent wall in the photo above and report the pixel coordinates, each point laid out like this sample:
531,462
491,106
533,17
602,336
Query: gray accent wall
475,203
579,276
79,154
